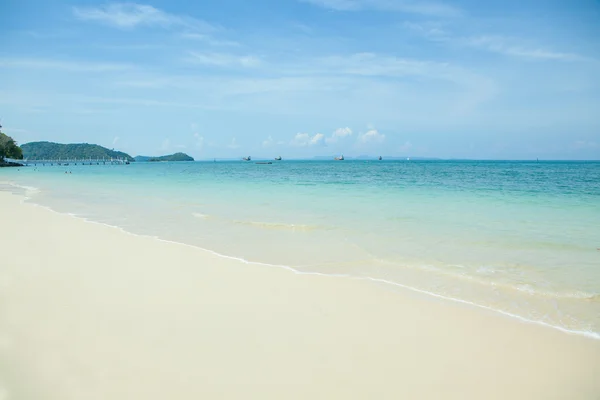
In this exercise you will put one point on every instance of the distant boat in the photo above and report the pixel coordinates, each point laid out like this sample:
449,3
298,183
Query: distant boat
340,158
380,158
278,158
264,162
247,158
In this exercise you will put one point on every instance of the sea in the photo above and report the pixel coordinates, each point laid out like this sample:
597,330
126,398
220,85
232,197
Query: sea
514,237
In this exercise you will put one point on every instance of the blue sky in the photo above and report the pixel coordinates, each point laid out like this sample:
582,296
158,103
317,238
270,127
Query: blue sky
298,78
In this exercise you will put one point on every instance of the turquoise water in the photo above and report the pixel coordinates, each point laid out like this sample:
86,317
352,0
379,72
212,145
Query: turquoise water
522,238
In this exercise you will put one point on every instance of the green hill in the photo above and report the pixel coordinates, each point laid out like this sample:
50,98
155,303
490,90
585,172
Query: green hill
170,157
53,151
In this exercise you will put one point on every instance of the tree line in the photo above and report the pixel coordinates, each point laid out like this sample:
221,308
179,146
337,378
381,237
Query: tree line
55,151
9,148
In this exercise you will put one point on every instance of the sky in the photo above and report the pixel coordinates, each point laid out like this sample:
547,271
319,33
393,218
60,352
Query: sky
302,78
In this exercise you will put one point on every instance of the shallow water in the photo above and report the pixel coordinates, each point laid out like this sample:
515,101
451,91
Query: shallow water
519,237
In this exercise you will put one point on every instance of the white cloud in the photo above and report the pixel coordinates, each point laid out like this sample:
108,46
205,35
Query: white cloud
317,139
371,136
223,60
342,132
338,134
304,140
430,8
131,15
70,66
166,144
115,140
508,46
300,140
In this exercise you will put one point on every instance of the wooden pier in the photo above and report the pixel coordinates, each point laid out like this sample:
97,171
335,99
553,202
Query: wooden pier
74,161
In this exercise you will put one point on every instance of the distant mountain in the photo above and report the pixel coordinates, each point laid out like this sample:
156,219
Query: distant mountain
53,151
170,157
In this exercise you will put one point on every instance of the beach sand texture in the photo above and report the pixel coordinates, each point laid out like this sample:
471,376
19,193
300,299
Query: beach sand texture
88,311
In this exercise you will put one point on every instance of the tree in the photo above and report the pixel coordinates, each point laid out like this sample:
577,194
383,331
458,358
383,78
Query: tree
9,148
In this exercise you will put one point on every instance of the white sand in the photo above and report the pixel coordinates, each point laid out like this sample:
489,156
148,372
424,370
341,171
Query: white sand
90,312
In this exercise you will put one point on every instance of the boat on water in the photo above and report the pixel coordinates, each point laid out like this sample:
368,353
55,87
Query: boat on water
247,158
264,162
340,158
278,158
380,158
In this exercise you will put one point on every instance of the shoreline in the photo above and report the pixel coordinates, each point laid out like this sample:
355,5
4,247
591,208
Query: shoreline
92,310
583,333
10,164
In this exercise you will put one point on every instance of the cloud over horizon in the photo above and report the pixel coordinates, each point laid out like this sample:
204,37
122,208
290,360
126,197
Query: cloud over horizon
338,134
372,136
304,140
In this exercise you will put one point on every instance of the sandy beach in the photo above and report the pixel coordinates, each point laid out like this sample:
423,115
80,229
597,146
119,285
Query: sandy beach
91,312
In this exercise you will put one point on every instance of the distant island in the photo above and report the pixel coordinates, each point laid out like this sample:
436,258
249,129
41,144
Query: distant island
170,157
55,151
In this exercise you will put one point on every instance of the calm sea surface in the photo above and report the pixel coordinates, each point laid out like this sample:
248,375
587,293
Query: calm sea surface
522,238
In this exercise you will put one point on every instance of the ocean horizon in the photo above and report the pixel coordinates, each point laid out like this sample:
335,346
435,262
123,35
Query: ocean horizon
365,157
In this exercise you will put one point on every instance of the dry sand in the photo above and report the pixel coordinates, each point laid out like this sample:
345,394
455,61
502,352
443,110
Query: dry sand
90,312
